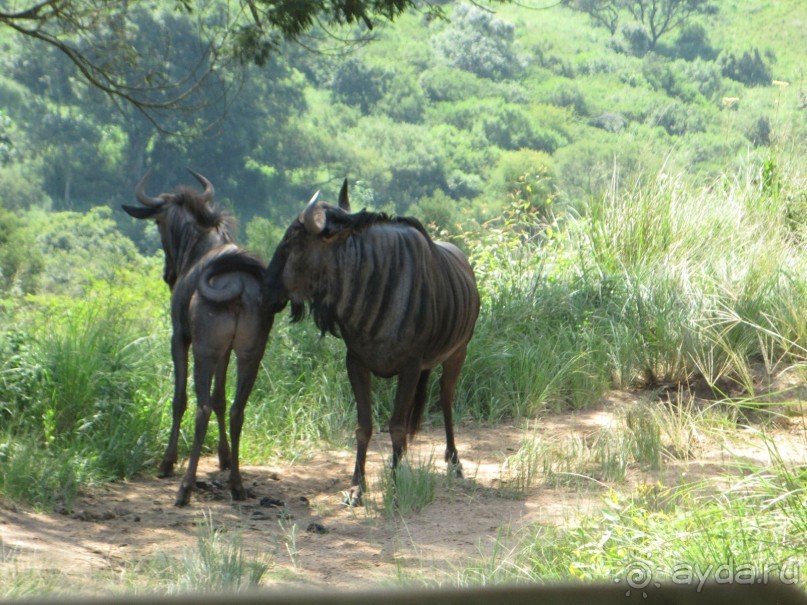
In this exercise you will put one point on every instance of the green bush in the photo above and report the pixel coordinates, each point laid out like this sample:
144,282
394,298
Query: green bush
479,42
749,68
693,43
360,84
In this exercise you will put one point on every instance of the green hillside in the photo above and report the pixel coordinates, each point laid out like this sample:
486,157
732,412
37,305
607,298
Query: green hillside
439,107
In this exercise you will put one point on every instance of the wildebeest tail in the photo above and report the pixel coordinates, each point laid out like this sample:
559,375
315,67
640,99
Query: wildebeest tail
418,404
235,261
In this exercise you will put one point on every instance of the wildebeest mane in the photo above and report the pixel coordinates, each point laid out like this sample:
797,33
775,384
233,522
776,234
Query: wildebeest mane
363,220
205,214
190,218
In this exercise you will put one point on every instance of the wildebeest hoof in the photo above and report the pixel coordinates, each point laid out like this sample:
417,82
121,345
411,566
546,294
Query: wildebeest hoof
239,493
166,469
352,498
455,470
183,497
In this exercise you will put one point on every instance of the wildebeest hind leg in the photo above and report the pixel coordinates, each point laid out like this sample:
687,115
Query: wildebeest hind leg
219,403
359,376
408,380
448,382
179,353
202,377
248,365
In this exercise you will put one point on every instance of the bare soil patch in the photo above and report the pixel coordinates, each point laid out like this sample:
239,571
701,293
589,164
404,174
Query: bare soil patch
313,539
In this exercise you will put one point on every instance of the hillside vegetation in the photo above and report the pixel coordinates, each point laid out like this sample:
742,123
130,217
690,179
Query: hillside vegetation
636,219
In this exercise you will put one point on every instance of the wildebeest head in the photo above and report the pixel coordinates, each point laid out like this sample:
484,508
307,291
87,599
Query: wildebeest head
177,214
297,265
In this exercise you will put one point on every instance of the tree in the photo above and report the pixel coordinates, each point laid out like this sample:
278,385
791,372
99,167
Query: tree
602,12
480,43
356,83
662,16
100,39
658,17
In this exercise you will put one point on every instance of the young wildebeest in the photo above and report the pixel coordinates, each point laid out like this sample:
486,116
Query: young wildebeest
402,303
219,303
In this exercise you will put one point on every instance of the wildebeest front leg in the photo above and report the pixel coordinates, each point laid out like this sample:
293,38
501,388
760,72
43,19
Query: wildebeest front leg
448,383
179,354
219,403
202,377
359,376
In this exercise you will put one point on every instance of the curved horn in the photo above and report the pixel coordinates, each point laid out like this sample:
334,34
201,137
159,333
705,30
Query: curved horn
344,200
151,202
314,216
207,195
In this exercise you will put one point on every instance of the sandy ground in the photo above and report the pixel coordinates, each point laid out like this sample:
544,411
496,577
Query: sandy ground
313,539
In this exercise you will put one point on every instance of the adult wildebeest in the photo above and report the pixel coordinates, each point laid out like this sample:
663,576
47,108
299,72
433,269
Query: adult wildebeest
219,304
402,303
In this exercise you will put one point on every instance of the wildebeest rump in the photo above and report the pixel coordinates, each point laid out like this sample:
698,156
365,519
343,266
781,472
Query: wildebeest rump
403,304
219,304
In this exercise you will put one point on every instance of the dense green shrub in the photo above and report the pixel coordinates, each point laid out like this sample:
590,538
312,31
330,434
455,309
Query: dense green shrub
637,40
357,83
693,43
443,83
21,261
527,176
749,68
479,42
705,77
403,99
760,132
677,118
568,94
413,160
84,383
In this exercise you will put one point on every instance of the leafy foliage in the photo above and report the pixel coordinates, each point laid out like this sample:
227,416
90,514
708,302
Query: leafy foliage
651,18
478,42
749,68
693,43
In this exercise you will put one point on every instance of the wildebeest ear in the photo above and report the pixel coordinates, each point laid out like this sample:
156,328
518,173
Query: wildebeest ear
344,202
140,211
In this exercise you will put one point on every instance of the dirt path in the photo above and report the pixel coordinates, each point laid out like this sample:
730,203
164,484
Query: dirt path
314,539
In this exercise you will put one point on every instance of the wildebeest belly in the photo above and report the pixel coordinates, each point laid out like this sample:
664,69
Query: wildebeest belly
386,358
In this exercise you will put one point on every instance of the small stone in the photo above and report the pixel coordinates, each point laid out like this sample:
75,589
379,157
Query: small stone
316,528
268,502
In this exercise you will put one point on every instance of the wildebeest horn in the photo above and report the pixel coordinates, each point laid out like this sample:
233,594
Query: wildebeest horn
344,201
151,202
209,190
314,216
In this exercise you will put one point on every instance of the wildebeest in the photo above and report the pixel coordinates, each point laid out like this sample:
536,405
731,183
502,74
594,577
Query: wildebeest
403,304
219,304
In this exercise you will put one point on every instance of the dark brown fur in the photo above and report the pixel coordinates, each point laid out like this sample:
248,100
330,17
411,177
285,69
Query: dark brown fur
219,304
403,304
